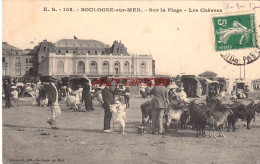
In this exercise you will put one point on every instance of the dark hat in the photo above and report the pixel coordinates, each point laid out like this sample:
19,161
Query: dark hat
53,79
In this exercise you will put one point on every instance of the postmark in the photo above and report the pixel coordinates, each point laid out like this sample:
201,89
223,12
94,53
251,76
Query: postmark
235,37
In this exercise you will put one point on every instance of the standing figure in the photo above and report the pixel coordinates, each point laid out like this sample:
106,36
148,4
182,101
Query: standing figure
7,89
108,98
159,105
127,96
87,97
14,94
52,96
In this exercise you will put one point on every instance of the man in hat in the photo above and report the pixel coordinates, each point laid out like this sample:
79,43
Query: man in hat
159,105
108,98
87,97
127,96
7,89
52,96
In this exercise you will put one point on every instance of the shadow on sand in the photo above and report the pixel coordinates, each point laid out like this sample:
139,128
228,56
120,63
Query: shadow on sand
59,129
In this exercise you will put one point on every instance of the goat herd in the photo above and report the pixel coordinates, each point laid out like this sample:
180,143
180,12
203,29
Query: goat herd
199,115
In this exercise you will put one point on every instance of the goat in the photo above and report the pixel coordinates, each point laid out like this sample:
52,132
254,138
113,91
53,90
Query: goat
198,117
173,115
98,94
216,120
146,111
238,110
250,112
184,117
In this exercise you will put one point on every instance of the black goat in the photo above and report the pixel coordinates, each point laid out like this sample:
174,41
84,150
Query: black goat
198,118
146,112
239,111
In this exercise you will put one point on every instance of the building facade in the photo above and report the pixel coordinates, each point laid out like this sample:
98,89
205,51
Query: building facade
77,57
17,62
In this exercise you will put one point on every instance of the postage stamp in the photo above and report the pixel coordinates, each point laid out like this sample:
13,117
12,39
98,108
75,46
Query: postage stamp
234,32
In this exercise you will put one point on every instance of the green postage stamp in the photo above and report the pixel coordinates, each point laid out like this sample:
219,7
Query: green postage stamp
234,32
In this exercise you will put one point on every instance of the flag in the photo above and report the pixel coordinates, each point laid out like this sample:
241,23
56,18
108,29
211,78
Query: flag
75,37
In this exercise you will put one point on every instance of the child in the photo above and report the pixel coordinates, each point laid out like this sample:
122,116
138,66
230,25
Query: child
14,94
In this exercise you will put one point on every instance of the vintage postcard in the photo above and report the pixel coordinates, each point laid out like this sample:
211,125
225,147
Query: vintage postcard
130,82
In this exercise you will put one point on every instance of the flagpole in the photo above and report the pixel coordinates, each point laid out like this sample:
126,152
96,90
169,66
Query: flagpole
244,69
240,71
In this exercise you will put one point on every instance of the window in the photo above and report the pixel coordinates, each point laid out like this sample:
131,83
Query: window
74,51
17,60
67,50
27,60
95,52
143,68
126,68
16,52
4,70
59,51
60,67
31,71
30,60
18,73
103,52
105,68
117,68
81,67
88,52
93,68
18,67
3,60
27,72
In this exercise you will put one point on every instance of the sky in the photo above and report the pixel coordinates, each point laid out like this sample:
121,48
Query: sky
179,42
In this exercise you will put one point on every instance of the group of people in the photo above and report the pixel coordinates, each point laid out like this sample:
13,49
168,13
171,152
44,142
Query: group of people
108,96
162,97
10,93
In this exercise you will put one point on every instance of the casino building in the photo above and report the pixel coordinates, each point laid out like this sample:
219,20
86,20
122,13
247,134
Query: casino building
86,57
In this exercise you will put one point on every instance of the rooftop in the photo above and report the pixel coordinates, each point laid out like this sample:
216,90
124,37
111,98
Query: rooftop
80,43
6,46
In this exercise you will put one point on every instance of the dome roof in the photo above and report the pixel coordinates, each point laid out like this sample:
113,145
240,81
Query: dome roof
80,43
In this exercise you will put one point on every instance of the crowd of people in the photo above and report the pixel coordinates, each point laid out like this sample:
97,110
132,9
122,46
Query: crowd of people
52,92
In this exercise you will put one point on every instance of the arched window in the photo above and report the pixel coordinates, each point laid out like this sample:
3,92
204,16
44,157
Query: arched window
126,68
105,68
81,67
60,67
31,71
143,68
93,68
117,68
